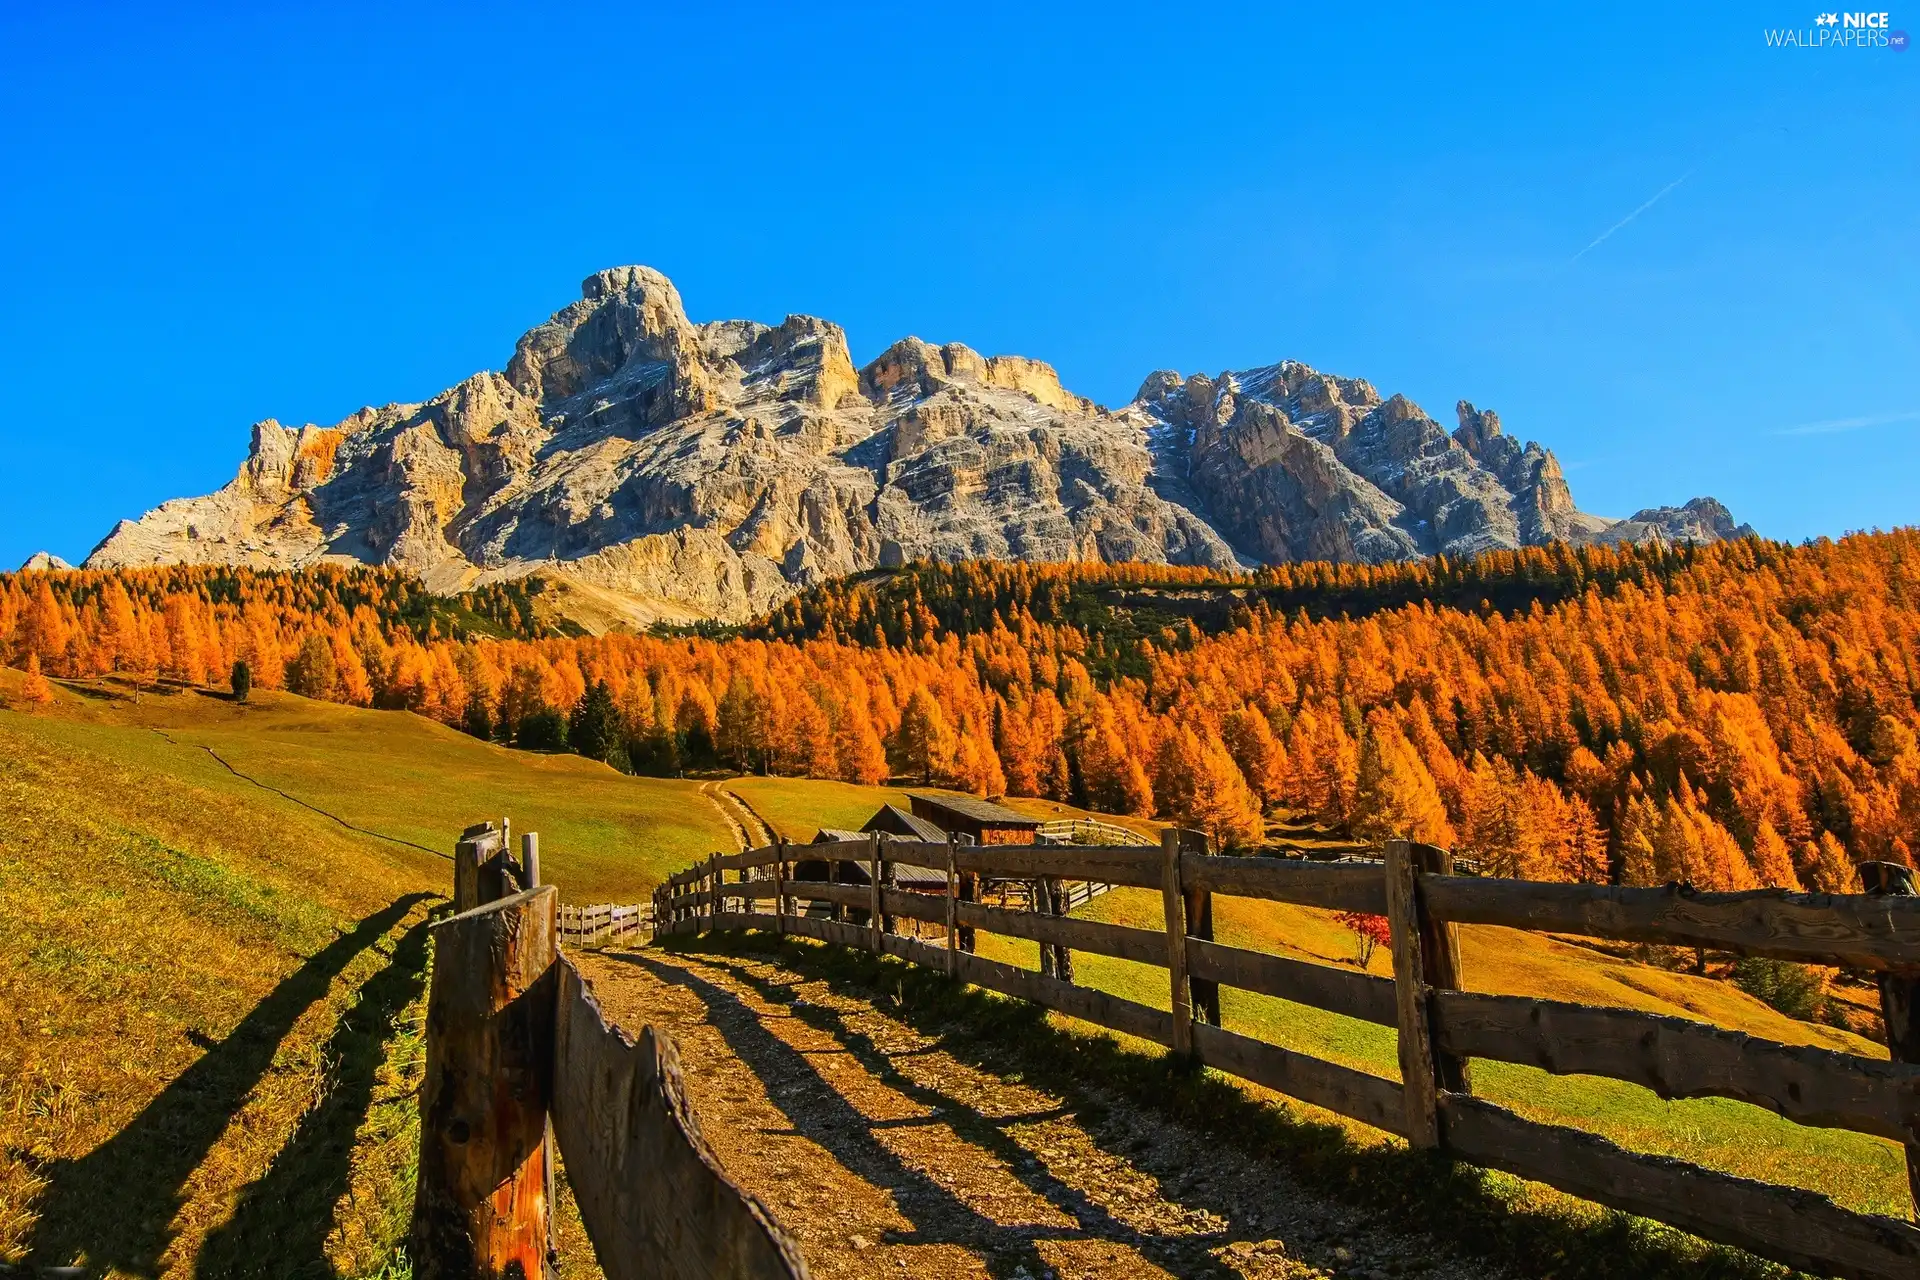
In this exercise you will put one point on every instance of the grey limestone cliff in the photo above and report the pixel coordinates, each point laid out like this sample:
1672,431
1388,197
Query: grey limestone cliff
663,468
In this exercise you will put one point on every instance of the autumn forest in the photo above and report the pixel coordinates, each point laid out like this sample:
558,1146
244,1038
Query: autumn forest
1733,715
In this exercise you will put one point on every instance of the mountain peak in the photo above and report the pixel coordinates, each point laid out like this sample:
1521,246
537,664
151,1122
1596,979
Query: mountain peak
690,470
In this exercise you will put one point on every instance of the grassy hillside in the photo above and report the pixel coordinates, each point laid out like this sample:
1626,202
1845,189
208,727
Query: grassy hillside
604,834
205,1040
209,1003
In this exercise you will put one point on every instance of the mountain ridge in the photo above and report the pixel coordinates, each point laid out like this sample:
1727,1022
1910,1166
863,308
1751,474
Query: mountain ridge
663,469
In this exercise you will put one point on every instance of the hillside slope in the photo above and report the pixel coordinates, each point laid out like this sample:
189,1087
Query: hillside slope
669,469
209,999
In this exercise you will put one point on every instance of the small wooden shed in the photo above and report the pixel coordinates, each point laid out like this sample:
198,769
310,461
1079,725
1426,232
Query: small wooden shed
985,821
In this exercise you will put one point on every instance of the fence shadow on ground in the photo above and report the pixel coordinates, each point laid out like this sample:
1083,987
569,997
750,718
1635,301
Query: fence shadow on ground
281,1223
817,1112
844,1132
114,1205
1478,1213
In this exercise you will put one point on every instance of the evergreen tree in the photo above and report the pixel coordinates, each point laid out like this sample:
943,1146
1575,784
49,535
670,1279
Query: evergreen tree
542,729
241,681
594,728
476,720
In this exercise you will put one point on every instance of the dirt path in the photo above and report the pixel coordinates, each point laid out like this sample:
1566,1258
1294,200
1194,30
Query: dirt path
886,1156
749,832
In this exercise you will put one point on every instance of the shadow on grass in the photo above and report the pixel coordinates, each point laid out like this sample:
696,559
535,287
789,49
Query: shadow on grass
114,1205
280,1226
1474,1212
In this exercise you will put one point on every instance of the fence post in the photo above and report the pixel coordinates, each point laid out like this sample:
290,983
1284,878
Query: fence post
1419,1087
530,860
1040,903
481,1203
1899,994
780,885
969,891
953,912
1062,954
1199,904
873,890
475,842
889,879
713,892
1440,960
1173,901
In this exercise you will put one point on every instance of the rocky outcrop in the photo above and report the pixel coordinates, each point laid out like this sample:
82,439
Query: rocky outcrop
671,469
44,562
1702,520
1293,464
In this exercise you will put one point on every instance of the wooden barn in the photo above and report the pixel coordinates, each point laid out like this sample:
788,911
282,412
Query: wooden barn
985,821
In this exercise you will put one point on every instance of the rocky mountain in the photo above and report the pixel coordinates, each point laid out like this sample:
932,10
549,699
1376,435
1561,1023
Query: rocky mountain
657,468
44,562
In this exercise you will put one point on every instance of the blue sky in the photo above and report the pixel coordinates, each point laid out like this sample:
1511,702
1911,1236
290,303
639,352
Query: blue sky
213,217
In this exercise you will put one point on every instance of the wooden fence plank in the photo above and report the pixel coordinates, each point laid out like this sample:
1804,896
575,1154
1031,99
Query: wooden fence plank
846,895
654,1200
1358,995
1123,942
1854,931
1063,997
1680,1059
834,931
747,859
1344,887
480,1204
1799,1228
912,905
1324,1084
1116,864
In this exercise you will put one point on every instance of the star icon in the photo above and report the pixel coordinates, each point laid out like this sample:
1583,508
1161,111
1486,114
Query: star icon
1827,20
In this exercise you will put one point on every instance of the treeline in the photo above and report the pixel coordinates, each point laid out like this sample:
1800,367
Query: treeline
1127,604
1732,715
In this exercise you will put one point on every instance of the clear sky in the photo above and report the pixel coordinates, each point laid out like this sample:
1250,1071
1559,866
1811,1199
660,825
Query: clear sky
1685,261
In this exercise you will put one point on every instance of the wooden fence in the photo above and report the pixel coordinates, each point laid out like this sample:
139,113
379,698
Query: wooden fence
603,923
1441,1028
1091,831
521,1061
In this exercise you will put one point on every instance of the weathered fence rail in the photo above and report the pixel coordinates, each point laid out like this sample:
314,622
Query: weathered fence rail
1440,1027
520,1061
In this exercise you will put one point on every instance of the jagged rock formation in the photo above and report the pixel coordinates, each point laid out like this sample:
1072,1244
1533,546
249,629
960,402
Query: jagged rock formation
659,468
1702,520
44,562
1293,464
